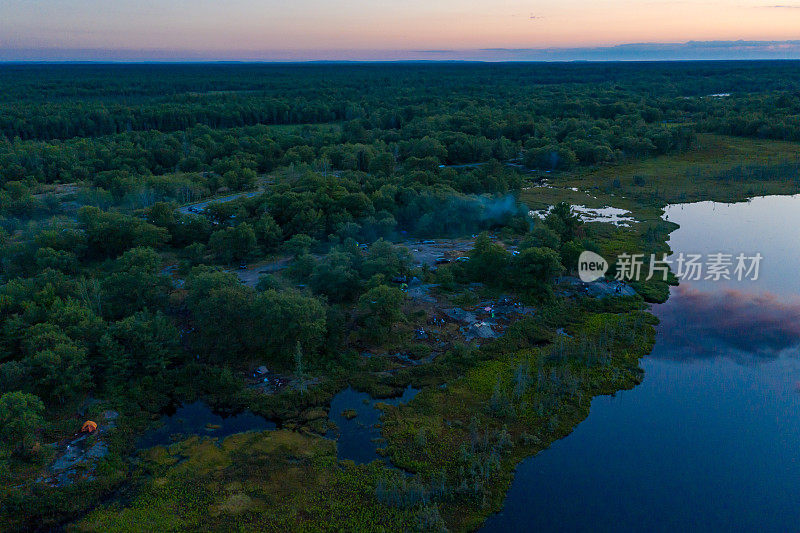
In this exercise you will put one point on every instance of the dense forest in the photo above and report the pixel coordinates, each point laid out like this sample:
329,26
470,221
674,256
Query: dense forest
134,198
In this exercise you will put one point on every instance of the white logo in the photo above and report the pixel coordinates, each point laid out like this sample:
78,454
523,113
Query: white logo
591,266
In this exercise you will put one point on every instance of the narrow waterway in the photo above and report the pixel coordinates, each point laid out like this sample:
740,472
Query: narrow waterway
710,440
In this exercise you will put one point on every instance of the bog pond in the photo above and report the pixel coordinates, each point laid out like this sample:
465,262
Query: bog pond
356,415
199,419
357,418
711,438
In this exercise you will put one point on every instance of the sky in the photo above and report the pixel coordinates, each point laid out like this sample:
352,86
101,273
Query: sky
394,29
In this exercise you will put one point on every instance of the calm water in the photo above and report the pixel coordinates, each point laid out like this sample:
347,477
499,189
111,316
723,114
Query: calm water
356,438
198,419
711,439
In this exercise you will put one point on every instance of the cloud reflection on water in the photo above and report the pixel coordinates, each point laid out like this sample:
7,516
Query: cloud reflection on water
744,327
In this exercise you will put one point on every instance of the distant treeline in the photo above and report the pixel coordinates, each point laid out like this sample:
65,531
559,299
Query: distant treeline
64,101
786,171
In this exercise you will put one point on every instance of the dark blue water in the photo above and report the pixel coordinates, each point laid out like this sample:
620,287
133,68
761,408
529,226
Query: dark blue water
356,438
198,419
710,440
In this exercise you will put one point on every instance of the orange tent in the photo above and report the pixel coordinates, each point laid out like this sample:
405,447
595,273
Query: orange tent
89,427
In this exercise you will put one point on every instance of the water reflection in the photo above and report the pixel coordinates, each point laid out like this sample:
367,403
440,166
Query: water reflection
198,419
769,225
357,435
705,443
745,327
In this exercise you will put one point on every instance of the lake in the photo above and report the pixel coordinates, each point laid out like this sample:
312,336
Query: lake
711,438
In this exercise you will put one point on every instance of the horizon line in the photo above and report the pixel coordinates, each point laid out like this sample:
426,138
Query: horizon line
728,50
372,61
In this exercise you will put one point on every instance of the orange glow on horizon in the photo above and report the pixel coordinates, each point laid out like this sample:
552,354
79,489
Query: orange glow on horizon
363,25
